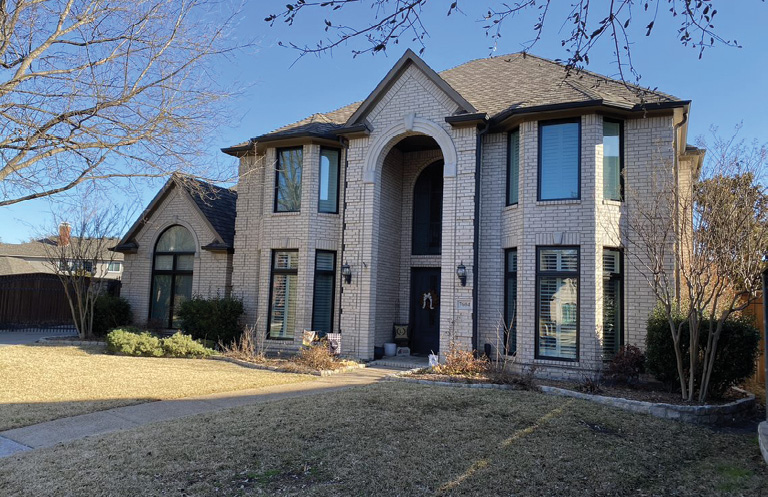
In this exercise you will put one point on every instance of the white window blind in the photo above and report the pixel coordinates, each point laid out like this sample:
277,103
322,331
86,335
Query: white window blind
611,160
559,161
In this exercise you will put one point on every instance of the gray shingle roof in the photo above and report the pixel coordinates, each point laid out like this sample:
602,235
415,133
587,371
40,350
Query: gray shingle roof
218,206
502,85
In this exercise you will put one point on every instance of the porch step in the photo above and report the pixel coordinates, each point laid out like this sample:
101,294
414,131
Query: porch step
401,362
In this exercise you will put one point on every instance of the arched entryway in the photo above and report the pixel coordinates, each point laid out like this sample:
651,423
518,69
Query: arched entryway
409,229
172,267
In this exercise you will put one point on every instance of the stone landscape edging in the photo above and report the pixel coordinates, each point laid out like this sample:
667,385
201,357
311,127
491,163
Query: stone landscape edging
54,342
278,369
705,414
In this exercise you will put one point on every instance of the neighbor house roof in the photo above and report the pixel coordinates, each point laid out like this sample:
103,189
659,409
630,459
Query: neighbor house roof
44,247
499,87
14,265
215,204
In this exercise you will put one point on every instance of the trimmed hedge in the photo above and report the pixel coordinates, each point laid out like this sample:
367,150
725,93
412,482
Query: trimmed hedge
735,359
215,319
144,344
110,312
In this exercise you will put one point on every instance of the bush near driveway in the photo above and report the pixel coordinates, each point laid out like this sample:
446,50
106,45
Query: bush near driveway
144,344
402,439
110,312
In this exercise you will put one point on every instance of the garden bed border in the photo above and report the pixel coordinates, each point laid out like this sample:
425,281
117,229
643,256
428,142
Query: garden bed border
57,342
278,369
708,414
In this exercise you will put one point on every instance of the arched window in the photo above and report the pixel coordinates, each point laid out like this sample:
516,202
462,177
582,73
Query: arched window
428,211
173,262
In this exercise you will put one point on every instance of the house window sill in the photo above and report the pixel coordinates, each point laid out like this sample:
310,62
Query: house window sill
286,214
559,202
512,207
617,203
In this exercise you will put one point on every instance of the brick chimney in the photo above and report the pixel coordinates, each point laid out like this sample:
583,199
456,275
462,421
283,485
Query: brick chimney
65,230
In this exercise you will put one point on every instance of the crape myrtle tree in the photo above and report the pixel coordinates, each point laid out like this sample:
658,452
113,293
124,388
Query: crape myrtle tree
79,254
99,90
706,265
585,24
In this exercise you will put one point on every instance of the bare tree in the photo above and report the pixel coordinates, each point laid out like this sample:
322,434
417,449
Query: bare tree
586,25
104,89
80,256
714,232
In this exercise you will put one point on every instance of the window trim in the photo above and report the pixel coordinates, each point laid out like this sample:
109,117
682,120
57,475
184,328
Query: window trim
277,177
507,274
333,286
338,179
168,272
620,122
567,274
509,163
620,277
549,122
272,272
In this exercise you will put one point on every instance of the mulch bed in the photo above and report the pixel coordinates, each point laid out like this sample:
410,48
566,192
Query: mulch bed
646,391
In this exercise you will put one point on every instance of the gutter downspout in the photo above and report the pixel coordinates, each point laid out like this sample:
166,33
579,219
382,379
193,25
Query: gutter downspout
345,148
476,255
675,146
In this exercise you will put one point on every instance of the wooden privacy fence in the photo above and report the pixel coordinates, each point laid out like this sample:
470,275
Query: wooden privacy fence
36,300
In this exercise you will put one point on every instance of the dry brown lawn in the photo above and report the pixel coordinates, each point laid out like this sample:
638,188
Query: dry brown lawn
396,439
40,383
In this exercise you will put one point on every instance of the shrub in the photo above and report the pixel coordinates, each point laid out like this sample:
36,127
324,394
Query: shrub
125,342
110,312
213,319
627,365
317,357
737,350
462,362
180,345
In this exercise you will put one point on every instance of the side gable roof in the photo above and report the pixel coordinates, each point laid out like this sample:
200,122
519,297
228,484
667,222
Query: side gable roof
498,86
216,206
408,58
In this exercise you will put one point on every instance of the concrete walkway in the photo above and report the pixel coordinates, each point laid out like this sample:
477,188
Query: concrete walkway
121,418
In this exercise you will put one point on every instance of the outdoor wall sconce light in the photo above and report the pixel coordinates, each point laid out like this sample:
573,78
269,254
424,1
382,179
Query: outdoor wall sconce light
346,272
461,272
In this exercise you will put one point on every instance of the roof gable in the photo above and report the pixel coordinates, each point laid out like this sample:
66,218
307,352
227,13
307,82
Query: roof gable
214,205
408,58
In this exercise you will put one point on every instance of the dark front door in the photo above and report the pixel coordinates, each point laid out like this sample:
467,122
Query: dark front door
425,310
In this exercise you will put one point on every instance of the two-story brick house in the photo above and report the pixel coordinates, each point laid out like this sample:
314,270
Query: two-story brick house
493,192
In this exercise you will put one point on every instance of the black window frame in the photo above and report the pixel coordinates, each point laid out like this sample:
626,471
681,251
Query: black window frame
278,152
509,164
416,245
620,279
272,272
565,274
169,272
620,122
325,272
510,327
550,122
338,179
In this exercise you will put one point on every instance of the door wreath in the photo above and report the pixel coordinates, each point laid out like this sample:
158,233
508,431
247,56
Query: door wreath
429,300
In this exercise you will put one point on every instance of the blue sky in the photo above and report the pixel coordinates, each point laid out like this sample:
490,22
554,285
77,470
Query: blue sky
727,86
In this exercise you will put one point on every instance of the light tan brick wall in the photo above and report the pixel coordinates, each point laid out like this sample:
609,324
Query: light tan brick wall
211,273
260,231
590,223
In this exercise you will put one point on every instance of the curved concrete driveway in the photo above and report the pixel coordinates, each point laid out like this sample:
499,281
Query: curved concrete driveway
27,337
